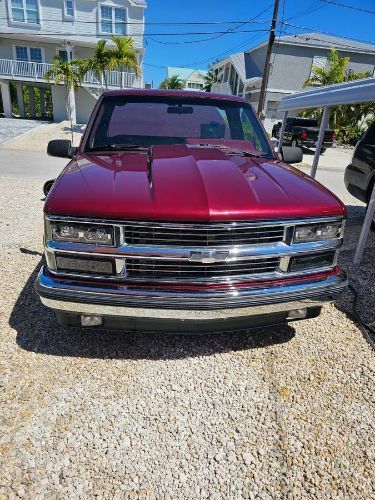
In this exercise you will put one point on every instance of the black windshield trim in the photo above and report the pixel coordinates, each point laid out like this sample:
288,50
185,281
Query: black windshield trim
186,100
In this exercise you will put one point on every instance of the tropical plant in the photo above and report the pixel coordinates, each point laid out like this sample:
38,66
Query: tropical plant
349,121
123,56
172,83
69,74
99,62
209,79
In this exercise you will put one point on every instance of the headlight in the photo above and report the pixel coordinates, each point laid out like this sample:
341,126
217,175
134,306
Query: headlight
317,232
81,233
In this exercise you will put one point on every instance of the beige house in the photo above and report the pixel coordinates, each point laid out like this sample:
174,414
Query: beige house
193,79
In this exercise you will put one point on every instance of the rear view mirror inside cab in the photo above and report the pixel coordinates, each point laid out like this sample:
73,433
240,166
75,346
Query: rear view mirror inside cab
180,110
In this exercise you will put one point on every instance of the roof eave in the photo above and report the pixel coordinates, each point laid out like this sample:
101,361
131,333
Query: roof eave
315,45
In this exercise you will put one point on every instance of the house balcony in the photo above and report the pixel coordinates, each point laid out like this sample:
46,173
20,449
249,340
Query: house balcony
221,88
26,71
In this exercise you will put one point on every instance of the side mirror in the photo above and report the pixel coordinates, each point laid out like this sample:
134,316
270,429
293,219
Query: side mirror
47,187
62,148
291,155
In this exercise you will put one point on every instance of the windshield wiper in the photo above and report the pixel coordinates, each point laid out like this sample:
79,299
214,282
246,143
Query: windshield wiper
229,151
118,147
246,153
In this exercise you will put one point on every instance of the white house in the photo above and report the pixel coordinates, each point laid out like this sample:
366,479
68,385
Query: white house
33,31
193,79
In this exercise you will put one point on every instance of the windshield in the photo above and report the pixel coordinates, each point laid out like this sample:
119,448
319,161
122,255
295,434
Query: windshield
147,121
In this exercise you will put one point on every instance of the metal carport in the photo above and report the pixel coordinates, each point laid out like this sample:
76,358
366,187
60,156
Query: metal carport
354,92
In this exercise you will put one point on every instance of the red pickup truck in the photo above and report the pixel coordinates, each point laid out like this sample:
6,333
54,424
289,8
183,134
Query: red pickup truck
175,214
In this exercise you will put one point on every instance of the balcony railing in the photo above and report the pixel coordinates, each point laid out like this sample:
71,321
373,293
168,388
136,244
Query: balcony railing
18,70
221,88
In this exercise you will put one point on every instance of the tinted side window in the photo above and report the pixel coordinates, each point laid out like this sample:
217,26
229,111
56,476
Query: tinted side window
369,137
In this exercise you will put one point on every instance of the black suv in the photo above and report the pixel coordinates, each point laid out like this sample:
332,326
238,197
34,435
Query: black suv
360,174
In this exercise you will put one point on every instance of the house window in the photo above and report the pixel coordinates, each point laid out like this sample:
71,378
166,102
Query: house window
32,54
119,21
63,54
22,54
36,54
195,86
69,8
317,62
112,20
25,11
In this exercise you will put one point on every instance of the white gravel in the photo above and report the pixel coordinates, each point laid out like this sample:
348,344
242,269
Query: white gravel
284,412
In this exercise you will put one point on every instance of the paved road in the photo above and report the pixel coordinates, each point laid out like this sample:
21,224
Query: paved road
28,164
11,128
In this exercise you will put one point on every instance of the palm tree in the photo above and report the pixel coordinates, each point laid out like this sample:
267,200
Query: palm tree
172,83
337,71
124,56
209,79
69,74
99,62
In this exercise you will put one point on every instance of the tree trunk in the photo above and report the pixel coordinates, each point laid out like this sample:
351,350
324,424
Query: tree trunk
71,108
122,77
69,112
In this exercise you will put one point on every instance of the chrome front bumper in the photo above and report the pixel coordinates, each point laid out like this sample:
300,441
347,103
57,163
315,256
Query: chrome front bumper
203,305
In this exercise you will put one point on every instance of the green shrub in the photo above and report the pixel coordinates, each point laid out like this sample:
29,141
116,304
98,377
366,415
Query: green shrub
349,134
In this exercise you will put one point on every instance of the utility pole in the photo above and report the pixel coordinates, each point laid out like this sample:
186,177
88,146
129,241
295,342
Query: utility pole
266,72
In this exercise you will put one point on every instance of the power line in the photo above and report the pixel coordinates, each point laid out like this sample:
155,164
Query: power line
132,35
230,30
252,39
318,32
154,65
230,50
226,53
149,23
306,12
334,44
339,4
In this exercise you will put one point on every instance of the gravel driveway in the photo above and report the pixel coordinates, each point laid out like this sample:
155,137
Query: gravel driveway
283,412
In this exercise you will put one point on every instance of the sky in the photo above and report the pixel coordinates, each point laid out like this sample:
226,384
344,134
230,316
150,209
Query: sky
201,49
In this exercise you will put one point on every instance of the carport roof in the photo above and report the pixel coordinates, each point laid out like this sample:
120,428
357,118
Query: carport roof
353,92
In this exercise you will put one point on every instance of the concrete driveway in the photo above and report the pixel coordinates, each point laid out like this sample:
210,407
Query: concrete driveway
331,170
11,128
30,164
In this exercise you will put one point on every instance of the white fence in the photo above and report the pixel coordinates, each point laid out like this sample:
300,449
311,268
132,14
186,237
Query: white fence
18,70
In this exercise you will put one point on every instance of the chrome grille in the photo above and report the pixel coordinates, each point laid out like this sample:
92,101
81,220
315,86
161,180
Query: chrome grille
172,269
185,235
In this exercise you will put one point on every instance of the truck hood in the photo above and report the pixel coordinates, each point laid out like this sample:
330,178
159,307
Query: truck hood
187,183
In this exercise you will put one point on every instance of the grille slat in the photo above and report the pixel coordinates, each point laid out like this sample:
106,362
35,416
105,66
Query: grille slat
200,235
204,235
217,233
154,268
